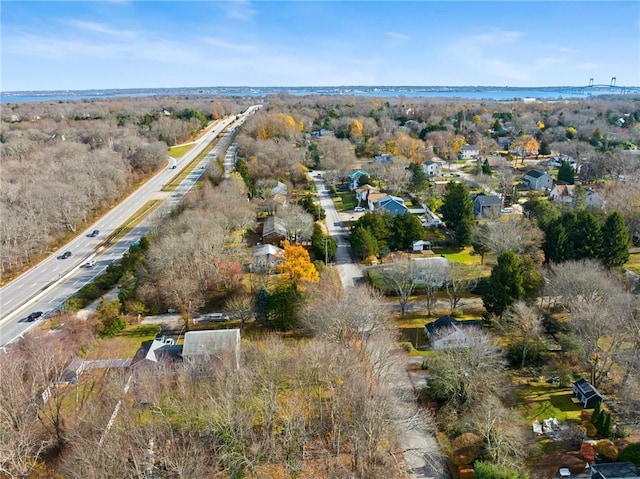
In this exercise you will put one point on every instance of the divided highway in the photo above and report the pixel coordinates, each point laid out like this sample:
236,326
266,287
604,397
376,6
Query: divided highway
45,286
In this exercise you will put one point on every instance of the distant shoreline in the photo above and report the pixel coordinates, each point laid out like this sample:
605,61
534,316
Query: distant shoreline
495,93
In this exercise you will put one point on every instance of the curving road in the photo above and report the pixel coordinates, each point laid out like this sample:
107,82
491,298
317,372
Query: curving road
45,286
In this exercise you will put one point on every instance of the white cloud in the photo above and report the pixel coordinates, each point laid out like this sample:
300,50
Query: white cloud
238,9
95,27
227,45
398,36
589,66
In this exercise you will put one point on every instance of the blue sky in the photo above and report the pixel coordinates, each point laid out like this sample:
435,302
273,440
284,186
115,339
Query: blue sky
73,45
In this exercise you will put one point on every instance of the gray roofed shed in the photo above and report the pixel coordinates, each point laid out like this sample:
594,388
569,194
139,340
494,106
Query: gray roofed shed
586,393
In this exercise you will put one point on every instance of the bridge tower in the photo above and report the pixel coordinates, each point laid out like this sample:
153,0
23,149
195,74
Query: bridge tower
590,81
613,81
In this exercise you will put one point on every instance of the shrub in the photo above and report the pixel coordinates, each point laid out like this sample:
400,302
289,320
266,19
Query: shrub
607,448
631,453
590,429
466,448
487,470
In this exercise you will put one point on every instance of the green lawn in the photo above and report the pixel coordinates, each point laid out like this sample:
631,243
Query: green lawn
459,255
125,344
345,200
180,150
541,401
634,263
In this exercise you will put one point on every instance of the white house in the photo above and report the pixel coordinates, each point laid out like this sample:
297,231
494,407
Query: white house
432,168
562,193
421,245
434,270
469,152
266,257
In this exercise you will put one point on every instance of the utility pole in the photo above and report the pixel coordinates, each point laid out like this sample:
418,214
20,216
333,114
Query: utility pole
326,251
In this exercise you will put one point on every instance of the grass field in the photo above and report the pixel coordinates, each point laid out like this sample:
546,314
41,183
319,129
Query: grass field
125,343
180,150
541,401
345,200
458,255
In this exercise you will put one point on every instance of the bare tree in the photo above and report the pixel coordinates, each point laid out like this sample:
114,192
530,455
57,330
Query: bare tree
521,236
462,375
523,323
502,431
463,279
240,307
400,277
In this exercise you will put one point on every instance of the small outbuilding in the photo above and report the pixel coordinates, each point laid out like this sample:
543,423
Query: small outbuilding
586,394
615,470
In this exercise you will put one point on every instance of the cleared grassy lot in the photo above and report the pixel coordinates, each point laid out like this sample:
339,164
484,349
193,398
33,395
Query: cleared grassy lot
125,343
537,400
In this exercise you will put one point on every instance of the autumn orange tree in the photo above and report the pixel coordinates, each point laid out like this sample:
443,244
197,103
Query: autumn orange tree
297,264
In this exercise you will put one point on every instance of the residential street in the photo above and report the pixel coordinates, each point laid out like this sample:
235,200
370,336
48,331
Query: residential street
422,453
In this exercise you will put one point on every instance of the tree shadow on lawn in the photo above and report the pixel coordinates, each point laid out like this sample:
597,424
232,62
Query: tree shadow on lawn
545,401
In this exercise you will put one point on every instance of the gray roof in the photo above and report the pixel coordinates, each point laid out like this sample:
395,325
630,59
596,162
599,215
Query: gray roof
273,224
615,470
449,322
210,343
487,200
535,173
586,389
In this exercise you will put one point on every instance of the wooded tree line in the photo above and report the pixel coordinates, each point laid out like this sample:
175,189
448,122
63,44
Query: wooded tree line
62,163
321,407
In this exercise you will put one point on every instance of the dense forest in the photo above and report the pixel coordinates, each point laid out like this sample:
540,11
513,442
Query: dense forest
65,162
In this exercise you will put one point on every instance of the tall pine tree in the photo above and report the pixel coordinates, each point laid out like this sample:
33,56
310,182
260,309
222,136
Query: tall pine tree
615,251
505,284
457,211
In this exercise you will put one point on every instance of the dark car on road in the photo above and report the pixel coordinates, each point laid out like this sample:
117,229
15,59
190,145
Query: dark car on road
33,316
94,233
65,255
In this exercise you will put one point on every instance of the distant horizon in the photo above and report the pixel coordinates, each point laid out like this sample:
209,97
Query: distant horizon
504,87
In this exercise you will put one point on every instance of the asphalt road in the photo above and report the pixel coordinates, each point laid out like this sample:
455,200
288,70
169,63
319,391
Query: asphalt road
422,453
45,286
350,272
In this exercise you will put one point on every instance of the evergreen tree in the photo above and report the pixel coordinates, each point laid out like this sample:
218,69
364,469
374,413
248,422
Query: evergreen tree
595,415
282,307
586,236
486,168
324,247
418,177
556,243
532,280
607,425
363,243
457,211
243,169
566,174
261,305
544,148
543,211
505,285
618,241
